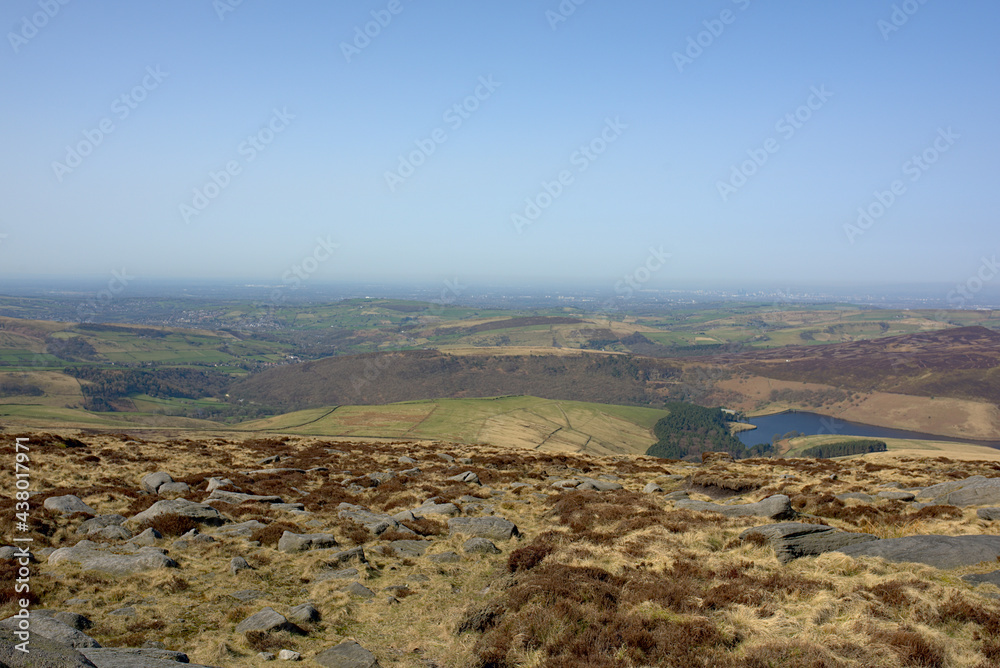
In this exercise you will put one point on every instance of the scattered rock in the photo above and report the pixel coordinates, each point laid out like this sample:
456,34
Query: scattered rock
127,611
973,491
300,542
343,574
53,629
199,512
446,457
68,505
377,523
304,614
447,509
138,657
937,551
599,485
237,564
989,514
992,578
867,498
480,546
243,529
407,460
218,483
289,655
45,653
775,507
89,559
467,476
267,620
151,482
237,498
494,528
348,654
354,554
791,540
99,522
358,589
409,548
652,488
147,537
898,496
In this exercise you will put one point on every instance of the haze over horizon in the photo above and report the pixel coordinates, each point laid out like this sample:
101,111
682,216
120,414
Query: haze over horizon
726,142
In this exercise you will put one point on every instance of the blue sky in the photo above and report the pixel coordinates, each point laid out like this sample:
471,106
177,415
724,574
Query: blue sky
310,129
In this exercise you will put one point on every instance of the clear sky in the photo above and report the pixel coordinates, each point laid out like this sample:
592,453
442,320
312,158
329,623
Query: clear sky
726,140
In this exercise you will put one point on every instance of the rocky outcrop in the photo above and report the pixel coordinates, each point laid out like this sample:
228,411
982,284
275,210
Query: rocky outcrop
937,551
348,654
792,540
86,555
494,528
199,512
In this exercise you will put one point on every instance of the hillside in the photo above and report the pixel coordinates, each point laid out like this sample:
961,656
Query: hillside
381,378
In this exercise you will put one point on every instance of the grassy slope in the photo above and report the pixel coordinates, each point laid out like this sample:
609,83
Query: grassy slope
505,421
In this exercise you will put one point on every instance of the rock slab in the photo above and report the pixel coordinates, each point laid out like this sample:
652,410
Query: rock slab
936,551
348,654
792,540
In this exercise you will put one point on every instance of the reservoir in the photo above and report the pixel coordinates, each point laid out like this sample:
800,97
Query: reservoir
811,424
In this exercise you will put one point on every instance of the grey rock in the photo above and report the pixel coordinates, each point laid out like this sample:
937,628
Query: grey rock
989,514
53,629
409,548
237,498
494,528
110,533
273,459
382,476
173,489
71,619
242,530
565,484
973,491
480,546
445,558
151,482
467,476
791,540
266,656
446,457
937,551
127,611
342,574
89,559
298,508
358,589
301,542
289,655
348,654
407,460
138,657
859,496
676,495
199,512
992,578
377,523
598,484
267,620
652,488
775,507
218,483
147,537
68,505
898,496
100,522
515,485
303,614
405,516
448,509
275,471
237,564
45,653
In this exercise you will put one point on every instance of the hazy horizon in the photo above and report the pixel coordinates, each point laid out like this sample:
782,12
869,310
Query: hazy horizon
730,143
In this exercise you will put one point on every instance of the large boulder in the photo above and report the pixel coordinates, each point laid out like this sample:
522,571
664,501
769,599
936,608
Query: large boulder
348,654
53,629
791,540
300,542
494,528
44,653
937,551
199,512
138,657
267,620
68,505
151,482
777,507
973,491
237,498
90,559
409,548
